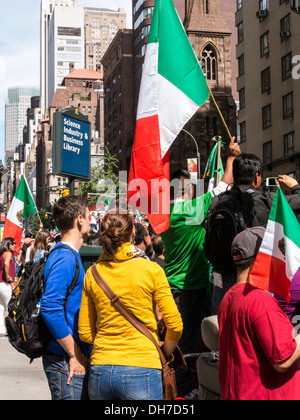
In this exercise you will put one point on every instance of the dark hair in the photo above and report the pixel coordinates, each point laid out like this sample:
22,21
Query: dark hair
116,230
158,246
140,233
180,174
4,247
245,167
67,209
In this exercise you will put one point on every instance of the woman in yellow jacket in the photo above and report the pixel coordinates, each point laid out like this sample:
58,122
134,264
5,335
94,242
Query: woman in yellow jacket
124,363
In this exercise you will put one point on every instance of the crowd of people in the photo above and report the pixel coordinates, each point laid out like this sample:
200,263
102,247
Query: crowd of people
95,353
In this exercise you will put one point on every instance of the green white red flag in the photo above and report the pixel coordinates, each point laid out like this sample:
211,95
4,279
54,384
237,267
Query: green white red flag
278,259
21,207
173,87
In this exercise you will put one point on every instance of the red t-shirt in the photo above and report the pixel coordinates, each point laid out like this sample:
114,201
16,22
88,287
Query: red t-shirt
255,335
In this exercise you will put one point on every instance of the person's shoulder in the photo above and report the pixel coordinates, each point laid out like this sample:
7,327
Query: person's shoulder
62,252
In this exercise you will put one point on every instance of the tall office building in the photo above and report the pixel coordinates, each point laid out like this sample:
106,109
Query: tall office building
47,7
17,103
268,84
65,45
101,26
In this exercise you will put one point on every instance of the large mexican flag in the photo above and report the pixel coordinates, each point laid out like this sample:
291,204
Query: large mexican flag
173,87
21,207
278,259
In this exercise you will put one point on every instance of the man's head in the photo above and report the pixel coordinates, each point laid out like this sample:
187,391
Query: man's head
245,247
142,238
247,169
181,185
71,212
158,246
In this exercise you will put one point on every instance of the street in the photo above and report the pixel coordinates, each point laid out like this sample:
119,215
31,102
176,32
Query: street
18,379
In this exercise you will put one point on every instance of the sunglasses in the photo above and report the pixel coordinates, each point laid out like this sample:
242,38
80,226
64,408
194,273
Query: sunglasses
12,244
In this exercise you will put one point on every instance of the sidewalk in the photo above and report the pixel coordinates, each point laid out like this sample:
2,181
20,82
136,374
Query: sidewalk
18,379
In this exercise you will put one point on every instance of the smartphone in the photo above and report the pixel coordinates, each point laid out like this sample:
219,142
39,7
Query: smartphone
272,182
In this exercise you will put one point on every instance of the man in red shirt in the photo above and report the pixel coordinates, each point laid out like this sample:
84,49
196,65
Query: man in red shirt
258,348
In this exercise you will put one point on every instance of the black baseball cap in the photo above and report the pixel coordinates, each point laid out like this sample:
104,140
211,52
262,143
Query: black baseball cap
247,243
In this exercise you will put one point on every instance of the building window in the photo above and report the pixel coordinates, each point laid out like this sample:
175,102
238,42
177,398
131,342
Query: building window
266,81
286,64
288,107
267,152
289,144
209,62
242,98
240,32
285,28
243,132
241,65
266,116
239,4
264,45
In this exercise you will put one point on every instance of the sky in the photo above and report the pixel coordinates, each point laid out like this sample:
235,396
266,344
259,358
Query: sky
20,45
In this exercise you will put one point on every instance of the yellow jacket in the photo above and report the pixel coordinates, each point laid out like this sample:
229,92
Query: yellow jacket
139,284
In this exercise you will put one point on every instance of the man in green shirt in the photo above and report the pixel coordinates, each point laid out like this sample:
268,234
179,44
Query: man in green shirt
186,264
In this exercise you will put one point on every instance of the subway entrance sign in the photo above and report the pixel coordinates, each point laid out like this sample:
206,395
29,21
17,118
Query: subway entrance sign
71,144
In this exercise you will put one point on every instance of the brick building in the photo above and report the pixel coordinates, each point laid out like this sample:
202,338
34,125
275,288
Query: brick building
82,89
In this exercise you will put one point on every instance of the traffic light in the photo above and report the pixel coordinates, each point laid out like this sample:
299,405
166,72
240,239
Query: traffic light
66,192
61,192
89,199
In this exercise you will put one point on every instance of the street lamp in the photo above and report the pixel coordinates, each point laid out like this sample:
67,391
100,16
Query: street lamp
198,153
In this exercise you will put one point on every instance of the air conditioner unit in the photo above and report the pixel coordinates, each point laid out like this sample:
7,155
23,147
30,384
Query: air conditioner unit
285,34
262,14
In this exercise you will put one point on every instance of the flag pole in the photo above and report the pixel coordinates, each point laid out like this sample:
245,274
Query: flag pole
222,118
218,163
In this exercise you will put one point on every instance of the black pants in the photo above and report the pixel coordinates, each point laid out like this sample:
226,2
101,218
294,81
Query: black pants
192,307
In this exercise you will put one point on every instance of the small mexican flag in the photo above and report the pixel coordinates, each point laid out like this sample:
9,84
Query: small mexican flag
106,204
278,259
212,167
173,87
21,207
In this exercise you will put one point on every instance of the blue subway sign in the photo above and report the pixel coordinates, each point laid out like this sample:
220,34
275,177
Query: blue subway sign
71,144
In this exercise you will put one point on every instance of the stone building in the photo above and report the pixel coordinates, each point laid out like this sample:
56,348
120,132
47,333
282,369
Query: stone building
211,40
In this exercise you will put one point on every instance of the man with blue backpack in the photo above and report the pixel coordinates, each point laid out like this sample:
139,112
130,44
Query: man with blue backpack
66,359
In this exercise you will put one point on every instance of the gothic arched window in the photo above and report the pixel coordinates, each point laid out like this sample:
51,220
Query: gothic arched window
209,62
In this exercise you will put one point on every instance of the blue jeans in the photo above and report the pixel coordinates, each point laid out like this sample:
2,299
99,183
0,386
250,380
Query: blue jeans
192,307
56,368
109,382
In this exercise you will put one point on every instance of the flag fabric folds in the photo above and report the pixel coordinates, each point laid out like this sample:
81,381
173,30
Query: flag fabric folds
278,259
21,207
173,87
212,167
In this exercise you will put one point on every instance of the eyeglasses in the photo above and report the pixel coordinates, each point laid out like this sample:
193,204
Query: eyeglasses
13,244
